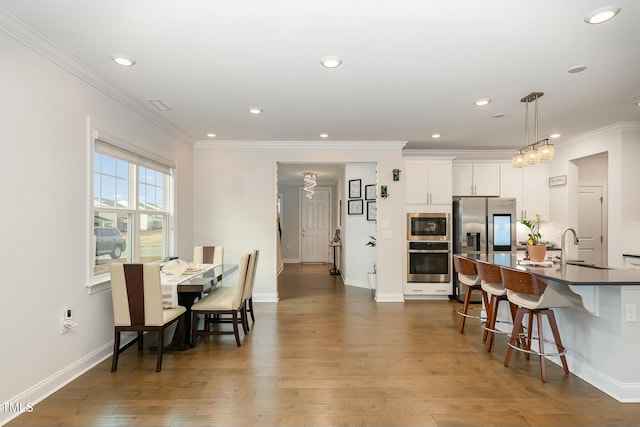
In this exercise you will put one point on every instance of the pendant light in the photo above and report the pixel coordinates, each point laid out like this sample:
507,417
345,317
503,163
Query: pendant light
310,181
539,150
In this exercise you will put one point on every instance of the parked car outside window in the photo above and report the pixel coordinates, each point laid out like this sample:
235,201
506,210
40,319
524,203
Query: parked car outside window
109,240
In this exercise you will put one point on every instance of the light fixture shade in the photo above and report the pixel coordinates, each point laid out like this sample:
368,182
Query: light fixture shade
531,156
309,184
517,161
546,151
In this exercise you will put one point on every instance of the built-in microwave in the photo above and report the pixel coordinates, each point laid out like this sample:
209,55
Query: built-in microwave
428,226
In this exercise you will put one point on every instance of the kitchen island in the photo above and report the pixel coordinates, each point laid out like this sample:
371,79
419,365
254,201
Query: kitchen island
600,330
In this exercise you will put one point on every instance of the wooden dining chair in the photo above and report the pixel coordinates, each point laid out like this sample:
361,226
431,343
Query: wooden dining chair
137,306
208,255
219,304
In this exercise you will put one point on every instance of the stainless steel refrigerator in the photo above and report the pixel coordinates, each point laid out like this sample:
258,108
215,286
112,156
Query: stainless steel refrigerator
482,225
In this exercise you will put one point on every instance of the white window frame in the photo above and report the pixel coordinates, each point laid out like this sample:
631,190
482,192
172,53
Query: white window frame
140,157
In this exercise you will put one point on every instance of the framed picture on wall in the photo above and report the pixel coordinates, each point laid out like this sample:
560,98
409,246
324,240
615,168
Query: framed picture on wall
370,192
355,188
355,207
372,211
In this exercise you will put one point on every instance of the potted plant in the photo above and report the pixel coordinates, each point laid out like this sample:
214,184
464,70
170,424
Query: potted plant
536,249
371,276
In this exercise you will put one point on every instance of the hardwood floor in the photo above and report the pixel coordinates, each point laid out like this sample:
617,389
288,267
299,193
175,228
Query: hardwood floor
327,355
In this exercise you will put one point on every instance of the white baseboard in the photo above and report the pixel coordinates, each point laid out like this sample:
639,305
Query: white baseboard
55,382
380,297
265,297
291,261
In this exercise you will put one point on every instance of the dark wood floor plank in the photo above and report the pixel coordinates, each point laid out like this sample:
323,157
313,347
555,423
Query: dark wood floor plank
328,355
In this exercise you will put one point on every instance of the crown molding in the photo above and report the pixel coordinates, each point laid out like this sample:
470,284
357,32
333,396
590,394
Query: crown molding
460,154
315,145
40,44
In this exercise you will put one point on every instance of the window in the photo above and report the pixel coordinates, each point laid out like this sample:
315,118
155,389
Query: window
131,208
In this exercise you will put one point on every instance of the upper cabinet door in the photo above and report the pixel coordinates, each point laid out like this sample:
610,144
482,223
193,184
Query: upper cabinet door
427,181
462,179
476,179
440,181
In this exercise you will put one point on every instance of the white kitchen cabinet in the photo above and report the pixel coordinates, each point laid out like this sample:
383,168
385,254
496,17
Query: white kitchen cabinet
427,181
530,187
476,179
632,262
428,290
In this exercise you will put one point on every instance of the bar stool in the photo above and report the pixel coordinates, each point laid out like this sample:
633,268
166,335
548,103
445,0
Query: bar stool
491,283
468,275
534,298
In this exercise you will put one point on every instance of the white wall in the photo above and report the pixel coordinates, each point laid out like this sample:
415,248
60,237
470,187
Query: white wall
621,141
44,112
235,190
359,259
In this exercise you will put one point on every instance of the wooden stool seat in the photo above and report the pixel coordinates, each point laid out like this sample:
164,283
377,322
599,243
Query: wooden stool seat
491,283
468,275
534,298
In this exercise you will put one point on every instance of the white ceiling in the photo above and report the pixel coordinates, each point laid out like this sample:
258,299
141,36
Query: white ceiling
410,68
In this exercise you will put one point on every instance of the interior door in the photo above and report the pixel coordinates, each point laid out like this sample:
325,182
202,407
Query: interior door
590,205
314,224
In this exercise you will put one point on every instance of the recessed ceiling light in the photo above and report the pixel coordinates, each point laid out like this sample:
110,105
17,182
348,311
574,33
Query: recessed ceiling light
123,60
331,61
498,115
324,135
577,69
436,135
482,102
158,104
601,15
255,110
554,135
211,135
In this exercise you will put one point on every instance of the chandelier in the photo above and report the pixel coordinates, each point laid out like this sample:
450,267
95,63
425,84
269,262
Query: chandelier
309,183
539,150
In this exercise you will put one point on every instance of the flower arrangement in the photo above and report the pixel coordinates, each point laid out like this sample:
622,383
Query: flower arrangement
534,230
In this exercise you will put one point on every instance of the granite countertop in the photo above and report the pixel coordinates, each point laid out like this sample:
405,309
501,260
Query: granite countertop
569,274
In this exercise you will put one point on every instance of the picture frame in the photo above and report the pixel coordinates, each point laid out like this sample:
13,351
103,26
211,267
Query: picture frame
355,188
370,192
372,211
557,180
355,207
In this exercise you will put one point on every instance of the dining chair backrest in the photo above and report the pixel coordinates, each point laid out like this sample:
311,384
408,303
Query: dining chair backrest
464,266
522,282
251,277
137,294
490,273
208,255
243,275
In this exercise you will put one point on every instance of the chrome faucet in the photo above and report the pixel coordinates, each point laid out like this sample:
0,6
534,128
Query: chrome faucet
563,256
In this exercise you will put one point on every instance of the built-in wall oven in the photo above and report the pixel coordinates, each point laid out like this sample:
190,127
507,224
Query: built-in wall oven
429,262
428,247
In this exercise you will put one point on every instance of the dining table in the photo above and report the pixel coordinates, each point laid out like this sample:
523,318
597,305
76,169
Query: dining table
186,288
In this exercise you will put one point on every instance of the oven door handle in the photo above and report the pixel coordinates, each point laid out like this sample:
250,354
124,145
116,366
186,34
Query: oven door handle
419,251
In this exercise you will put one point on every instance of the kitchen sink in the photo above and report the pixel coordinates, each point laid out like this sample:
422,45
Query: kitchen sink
588,265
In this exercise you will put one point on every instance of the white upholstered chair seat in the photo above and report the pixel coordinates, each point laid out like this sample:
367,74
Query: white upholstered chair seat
217,300
469,280
550,298
494,288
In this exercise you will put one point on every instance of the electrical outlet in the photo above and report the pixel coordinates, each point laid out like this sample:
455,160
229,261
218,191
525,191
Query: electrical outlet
630,313
67,314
